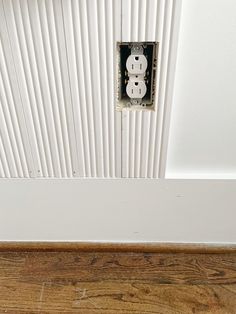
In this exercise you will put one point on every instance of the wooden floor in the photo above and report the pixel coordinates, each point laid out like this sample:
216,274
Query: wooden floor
117,283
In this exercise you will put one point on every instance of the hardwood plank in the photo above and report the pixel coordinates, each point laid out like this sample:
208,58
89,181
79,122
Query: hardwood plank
109,283
116,297
159,267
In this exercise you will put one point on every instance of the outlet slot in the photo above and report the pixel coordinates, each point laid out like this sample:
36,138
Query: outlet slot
132,67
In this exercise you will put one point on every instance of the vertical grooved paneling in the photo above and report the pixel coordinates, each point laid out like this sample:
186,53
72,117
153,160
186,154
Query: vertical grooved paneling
87,83
103,82
110,29
146,20
14,104
10,118
95,57
163,65
57,88
117,138
36,98
61,111
76,118
3,160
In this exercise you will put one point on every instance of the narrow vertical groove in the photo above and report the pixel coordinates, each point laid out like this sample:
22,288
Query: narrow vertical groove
137,142
13,109
96,86
27,145
109,46
163,81
132,114
2,171
117,17
70,69
102,49
66,87
11,115
145,115
125,148
75,164
135,115
172,58
132,141
9,132
6,142
145,143
81,87
40,58
88,83
134,19
94,83
65,103
126,33
159,32
42,169
47,44
38,111
59,86
74,69
139,133
4,161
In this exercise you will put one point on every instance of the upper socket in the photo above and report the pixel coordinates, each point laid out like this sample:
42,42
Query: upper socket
136,64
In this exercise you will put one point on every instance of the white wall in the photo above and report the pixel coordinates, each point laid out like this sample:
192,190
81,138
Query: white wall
203,125
118,210
202,144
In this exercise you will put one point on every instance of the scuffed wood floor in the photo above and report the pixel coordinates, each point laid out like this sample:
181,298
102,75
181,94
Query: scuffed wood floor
117,283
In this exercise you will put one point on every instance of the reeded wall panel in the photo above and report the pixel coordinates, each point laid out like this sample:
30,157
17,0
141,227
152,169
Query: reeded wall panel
145,133
57,88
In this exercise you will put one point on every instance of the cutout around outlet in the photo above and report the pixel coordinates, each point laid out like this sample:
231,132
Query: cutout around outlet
136,79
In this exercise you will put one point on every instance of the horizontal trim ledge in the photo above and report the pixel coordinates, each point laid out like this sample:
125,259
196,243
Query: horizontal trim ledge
144,247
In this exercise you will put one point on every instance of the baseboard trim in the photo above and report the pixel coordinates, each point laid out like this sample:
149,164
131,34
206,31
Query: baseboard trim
146,247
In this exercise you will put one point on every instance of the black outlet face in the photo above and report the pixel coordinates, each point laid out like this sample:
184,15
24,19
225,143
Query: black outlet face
150,51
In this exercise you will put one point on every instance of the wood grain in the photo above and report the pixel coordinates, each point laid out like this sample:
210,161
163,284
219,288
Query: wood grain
144,247
117,282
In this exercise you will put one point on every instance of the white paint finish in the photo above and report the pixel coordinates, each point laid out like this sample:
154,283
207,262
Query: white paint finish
144,131
12,106
57,78
203,125
142,210
58,89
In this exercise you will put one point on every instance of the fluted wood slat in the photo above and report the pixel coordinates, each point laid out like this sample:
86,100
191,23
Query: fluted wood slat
58,88
150,20
57,79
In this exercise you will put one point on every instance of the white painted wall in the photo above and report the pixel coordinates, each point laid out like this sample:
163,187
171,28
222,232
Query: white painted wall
203,125
202,144
118,210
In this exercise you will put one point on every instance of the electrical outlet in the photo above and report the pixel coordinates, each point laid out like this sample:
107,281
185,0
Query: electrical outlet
137,62
136,66
136,89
